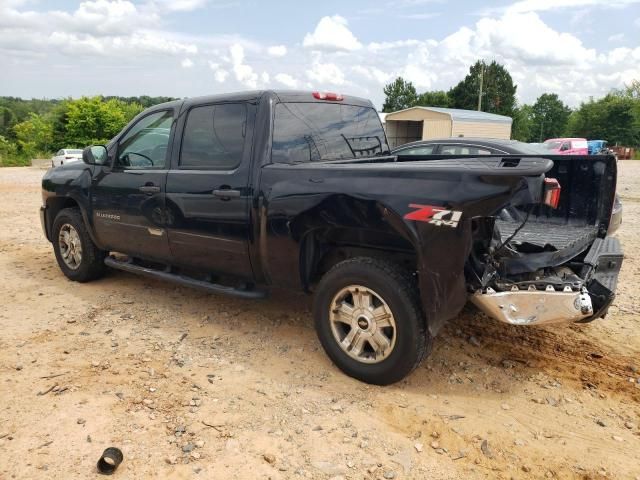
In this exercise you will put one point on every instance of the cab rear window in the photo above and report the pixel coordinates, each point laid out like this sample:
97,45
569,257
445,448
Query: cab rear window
312,132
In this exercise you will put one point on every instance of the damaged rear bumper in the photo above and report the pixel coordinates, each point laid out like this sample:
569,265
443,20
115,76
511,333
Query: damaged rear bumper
533,307
601,266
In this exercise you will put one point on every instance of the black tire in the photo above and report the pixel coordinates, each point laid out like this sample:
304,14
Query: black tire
91,265
397,288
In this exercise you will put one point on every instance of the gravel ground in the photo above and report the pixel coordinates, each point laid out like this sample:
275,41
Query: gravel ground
191,385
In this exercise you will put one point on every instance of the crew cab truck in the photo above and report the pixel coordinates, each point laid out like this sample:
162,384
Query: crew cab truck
236,193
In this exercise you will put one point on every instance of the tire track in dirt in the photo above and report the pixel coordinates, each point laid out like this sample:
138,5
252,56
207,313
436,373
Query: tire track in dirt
560,353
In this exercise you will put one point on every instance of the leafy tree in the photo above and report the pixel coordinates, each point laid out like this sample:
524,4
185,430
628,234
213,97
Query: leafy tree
93,121
145,100
399,94
549,117
59,124
630,91
436,98
8,151
521,128
34,135
7,121
498,89
613,118
33,127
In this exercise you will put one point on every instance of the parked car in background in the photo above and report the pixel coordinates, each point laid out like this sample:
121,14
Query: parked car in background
491,146
600,147
469,146
66,155
597,146
567,146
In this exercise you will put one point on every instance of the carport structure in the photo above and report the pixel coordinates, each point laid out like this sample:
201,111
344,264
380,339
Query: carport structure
423,123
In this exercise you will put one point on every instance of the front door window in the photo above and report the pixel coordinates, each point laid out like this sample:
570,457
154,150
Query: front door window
146,144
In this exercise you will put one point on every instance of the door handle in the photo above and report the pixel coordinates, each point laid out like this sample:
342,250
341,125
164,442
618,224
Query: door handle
226,193
149,189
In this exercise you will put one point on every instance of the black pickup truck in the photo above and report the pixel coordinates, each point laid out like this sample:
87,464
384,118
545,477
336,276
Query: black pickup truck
235,193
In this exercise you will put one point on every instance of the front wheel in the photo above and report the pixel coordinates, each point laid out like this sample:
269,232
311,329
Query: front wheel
368,319
78,257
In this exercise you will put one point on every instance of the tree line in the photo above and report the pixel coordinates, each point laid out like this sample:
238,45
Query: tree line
614,117
37,128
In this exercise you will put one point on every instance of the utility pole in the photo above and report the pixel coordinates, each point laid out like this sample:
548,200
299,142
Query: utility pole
481,81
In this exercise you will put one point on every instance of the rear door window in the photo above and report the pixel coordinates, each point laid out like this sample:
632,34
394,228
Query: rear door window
422,150
463,150
311,132
214,136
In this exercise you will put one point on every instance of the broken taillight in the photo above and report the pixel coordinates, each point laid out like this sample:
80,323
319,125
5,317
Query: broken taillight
551,196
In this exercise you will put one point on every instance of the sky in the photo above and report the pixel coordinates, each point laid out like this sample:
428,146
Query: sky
185,48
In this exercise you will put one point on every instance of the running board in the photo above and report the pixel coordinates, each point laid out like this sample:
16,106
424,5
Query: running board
182,280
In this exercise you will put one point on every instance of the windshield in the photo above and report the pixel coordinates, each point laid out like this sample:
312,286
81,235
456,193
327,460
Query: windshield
312,132
552,145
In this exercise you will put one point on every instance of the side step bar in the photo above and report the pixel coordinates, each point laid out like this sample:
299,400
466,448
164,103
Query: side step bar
182,280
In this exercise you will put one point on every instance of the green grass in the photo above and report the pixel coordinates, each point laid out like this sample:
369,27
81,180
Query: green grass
15,162
21,160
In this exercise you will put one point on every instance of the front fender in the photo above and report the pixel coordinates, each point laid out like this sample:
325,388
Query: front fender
66,186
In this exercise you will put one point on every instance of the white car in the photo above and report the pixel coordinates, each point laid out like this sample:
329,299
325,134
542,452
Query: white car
66,155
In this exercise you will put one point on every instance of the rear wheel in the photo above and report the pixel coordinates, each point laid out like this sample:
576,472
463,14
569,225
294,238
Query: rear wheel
78,257
368,319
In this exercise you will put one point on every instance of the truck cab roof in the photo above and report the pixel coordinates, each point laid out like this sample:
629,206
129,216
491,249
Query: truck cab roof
256,95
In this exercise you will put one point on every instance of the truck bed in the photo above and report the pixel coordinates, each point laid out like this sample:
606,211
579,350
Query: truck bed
541,234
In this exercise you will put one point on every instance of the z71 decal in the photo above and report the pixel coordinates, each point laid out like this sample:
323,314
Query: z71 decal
434,215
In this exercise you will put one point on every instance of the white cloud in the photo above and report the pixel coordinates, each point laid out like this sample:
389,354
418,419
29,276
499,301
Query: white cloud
332,34
186,63
219,73
244,73
373,74
181,5
512,35
618,37
422,78
277,50
325,73
265,77
380,46
105,18
286,80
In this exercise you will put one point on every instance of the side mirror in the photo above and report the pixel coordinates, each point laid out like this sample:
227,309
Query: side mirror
95,155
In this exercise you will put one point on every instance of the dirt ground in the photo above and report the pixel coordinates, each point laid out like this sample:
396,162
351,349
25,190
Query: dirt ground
190,385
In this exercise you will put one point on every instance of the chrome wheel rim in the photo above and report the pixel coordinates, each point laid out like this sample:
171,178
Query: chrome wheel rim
362,324
70,246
